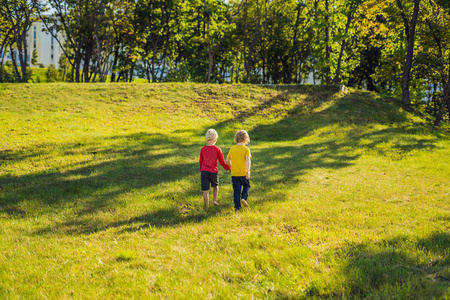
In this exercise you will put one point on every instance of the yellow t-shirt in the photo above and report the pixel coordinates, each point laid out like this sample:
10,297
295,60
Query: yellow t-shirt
237,156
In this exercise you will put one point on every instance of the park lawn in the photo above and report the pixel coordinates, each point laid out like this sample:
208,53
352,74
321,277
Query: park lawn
100,195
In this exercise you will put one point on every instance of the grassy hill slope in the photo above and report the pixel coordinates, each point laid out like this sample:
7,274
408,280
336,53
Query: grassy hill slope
100,194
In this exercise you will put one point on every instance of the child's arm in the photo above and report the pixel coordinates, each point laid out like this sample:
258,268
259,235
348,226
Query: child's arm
248,161
222,160
201,160
228,161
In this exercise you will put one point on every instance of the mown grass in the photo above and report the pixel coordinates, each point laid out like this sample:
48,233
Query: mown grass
39,75
100,195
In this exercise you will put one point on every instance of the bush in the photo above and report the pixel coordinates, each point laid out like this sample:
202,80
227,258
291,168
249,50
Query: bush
52,74
181,73
7,73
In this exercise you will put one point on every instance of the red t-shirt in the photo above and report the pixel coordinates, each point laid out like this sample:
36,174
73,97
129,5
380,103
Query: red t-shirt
209,155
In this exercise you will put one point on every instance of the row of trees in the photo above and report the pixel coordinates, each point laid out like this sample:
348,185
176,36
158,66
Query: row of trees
399,46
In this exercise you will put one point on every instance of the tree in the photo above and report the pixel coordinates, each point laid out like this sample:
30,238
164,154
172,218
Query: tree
51,74
20,14
410,31
6,38
82,22
217,27
63,65
34,57
350,9
445,6
123,35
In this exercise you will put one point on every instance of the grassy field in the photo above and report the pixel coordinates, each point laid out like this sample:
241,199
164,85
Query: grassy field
100,195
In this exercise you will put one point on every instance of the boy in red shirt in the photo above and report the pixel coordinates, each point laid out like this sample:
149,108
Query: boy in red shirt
209,155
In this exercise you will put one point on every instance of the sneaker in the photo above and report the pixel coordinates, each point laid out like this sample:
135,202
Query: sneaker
244,203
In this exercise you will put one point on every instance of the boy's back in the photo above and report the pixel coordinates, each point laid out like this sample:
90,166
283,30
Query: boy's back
209,155
237,156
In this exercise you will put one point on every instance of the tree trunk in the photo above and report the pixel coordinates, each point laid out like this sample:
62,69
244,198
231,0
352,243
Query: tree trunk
337,80
263,46
87,61
147,71
77,66
94,77
131,73
445,100
210,60
438,41
23,57
154,63
444,103
295,44
327,44
164,60
210,54
13,60
114,64
410,34
246,64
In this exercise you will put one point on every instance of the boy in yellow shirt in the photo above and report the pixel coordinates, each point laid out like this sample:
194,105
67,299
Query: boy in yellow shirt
239,158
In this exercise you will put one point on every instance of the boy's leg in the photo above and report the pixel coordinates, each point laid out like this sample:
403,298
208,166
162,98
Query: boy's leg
215,194
206,198
236,192
214,178
205,187
246,188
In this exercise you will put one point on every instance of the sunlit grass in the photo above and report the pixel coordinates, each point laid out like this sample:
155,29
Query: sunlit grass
100,194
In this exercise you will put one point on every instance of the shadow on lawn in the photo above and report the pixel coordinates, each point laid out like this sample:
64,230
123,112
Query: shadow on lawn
139,161
106,173
358,108
359,112
400,268
313,99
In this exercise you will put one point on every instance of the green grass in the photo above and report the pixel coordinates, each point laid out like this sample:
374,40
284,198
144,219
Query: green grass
100,195
39,76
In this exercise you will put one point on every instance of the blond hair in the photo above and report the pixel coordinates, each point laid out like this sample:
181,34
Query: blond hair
211,135
242,136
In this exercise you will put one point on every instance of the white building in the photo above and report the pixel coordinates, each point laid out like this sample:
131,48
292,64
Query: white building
46,46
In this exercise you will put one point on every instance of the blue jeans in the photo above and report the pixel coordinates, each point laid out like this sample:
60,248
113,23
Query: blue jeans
240,183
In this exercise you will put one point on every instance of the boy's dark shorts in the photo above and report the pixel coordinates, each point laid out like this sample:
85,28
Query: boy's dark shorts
209,178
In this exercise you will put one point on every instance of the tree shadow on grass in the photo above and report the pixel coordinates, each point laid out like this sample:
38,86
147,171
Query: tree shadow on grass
400,268
176,211
160,218
132,162
358,112
275,167
121,164
358,108
310,97
113,167
286,164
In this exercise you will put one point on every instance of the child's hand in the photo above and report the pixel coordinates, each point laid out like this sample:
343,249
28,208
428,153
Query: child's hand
247,176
